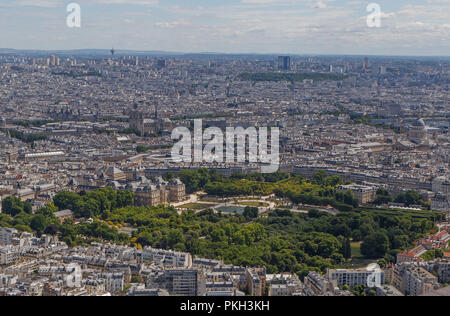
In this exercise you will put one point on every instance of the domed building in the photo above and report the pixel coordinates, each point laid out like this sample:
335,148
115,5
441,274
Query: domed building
418,132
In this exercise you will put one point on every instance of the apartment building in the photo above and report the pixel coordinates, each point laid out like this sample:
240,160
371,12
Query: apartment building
114,282
184,282
94,286
316,284
284,284
7,280
418,281
256,281
438,240
414,280
413,255
8,255
167,258
6,235
353,278
220,288
443,270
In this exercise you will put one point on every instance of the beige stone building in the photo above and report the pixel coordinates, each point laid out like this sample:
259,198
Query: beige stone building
159,192
364,194
144,125
148,196
176,190
115,174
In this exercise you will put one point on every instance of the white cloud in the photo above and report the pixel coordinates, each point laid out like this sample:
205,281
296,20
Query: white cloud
290,26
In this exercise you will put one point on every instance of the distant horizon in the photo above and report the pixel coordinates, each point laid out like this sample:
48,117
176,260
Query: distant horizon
181,53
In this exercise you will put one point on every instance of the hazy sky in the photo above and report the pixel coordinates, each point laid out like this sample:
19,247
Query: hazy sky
409,27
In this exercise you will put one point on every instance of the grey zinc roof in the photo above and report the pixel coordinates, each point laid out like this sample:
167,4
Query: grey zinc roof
63,213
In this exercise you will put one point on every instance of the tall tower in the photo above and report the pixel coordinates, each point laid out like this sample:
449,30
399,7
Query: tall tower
136,121
284,63
112,51
366,63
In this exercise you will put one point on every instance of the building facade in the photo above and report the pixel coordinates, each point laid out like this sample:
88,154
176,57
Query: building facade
353,278
158,192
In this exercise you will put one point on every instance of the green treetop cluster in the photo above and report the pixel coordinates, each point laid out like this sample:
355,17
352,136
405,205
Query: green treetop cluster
282,241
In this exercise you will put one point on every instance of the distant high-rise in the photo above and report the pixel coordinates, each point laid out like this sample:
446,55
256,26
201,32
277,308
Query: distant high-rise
54,61
161,63
284,63
366,64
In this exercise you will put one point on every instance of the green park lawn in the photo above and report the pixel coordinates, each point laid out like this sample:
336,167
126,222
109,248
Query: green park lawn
358,260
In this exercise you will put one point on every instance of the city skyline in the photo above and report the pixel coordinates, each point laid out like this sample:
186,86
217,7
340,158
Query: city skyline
297,27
